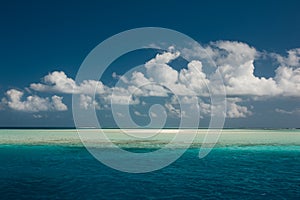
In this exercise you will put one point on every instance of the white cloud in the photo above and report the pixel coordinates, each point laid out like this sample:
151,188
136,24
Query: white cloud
233,109
140,85
137,113
55,82
87,102
57,104
288,80
153,114
205,108
121,96
233,53
172,110
59,82
234,60
159,71
236,111
33,103
291,60
289,112
193,79
195,52
160,78
240,80
37,116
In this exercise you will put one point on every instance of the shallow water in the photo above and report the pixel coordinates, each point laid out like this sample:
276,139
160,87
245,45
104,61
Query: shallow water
230,171
228,137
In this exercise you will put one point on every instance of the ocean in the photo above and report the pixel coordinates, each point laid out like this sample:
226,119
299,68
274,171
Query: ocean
245,164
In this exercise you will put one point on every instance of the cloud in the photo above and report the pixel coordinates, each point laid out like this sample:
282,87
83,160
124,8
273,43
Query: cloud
235,61
291,60
55,82
138,84
122,96
233,109
57,104
87,102
59,82
288,80
290,112
153,114
233,53
137,113
172,110
160,78
193,80
159,71
33,103
236,111
37,116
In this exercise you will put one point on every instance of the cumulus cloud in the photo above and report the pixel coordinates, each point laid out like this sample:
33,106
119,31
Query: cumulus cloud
288,80
172,110
57,104
237,69
33,103
233,53
87,102
193,79
160,78
292,59
59,82
139,85
235,62
159,71
234,110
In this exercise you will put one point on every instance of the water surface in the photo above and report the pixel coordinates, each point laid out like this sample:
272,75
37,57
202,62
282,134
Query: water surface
258,169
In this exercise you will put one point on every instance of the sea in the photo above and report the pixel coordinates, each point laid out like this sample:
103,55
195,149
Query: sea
244,164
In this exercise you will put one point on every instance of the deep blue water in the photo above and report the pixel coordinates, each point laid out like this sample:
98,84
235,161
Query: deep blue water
57,172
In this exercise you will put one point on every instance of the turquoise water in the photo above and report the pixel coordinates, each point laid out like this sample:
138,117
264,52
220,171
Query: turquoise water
60,171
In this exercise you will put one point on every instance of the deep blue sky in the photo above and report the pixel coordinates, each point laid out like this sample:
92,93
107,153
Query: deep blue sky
38,37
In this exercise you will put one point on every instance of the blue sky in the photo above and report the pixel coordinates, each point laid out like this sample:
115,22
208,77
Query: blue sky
41,37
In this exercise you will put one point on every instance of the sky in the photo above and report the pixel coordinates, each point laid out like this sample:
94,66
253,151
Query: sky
255,46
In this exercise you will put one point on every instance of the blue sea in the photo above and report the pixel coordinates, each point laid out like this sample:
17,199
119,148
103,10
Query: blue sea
62,171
